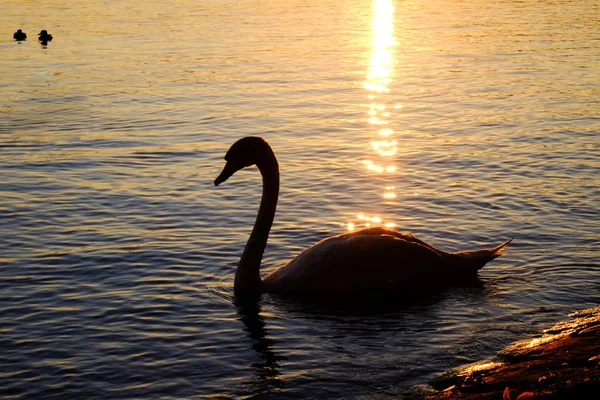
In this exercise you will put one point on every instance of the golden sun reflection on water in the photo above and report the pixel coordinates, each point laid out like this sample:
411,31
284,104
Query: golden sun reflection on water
377,85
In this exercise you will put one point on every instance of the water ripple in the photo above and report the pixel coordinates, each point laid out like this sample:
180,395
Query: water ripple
119,254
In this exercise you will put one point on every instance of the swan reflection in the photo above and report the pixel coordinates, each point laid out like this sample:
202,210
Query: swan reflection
266,370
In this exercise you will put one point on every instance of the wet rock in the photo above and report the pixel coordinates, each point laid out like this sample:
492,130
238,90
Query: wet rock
564,363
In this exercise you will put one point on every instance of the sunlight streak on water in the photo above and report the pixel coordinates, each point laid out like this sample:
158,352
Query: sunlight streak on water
377,84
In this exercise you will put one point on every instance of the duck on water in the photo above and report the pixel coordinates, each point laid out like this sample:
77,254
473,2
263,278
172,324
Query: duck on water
44,37
19,35
371,260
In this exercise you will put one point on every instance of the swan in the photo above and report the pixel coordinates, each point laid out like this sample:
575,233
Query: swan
371,260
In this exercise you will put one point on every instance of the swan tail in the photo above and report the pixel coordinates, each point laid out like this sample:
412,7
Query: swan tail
473,261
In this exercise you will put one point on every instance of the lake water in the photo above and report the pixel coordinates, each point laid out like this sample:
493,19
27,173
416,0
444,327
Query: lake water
463,122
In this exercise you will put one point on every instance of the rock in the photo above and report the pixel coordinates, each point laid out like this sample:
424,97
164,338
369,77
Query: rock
563,363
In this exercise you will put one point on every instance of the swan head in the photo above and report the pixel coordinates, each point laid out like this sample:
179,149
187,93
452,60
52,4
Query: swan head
246,152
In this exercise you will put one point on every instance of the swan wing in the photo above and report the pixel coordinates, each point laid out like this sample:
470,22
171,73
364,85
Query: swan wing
362,261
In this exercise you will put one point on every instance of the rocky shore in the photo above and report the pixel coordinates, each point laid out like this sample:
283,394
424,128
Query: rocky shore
564,363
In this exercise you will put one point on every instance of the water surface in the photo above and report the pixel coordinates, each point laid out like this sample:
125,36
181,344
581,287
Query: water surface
464,123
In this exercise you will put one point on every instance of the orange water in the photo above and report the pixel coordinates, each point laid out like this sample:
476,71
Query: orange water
465,123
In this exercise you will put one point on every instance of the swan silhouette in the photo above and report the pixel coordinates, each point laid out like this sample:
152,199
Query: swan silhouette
372,260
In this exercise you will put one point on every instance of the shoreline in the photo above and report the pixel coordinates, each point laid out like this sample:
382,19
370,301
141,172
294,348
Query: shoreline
564,363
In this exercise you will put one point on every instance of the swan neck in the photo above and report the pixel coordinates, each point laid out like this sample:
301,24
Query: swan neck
247,278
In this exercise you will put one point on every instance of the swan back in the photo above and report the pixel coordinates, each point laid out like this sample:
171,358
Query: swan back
375,260
358,263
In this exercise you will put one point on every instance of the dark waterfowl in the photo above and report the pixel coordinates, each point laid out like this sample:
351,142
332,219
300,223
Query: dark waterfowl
20,35
44,36
371,260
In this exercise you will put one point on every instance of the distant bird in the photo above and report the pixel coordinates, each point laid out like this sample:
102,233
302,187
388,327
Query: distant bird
44,37
20,35
368,261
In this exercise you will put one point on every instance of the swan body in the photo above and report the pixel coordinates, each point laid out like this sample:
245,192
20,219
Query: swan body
371,260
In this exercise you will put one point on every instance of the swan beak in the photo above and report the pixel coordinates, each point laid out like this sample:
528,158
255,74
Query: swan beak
228,170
